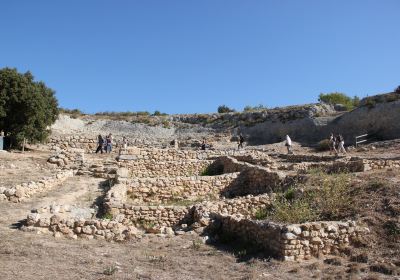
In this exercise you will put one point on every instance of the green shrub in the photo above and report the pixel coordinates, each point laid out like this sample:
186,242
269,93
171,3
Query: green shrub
293,212
107,216
225,109
339,98
333,199
261,214
290,194
330,200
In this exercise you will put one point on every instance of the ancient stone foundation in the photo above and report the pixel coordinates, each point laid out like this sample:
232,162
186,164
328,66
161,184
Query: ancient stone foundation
291,242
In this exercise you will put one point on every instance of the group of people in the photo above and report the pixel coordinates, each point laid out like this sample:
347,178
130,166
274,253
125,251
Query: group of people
336,144
104,143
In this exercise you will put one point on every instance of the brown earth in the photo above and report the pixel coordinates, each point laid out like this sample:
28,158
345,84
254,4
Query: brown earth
26,255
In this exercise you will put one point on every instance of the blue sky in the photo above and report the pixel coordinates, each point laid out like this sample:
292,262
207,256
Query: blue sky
191,56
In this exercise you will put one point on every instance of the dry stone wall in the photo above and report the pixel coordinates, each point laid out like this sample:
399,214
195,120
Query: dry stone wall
246,206
87,229
134,153
153,168
292,242
89,144
170,189
26,190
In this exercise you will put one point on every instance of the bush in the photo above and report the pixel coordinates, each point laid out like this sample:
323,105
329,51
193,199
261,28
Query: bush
397,90
27,107
331,200
370,103
225,109
323,145
158,113
259,107
339,98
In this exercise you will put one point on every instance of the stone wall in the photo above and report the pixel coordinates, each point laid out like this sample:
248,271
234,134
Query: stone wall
308,158
291,242
380,164
89,144
153,168
246,206
87,229
172,189
26,190
252,179
134,153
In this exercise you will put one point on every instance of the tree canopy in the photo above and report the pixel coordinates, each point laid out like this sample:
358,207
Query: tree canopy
27,107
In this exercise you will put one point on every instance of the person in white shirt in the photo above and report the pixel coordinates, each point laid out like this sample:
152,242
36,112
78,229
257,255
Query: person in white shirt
288,145
341,144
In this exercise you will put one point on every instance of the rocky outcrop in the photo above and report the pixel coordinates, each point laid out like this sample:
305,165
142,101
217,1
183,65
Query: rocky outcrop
382,120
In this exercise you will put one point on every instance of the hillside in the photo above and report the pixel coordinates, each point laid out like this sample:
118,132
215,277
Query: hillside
378,116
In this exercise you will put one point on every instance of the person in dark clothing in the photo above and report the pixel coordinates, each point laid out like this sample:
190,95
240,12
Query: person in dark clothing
204,145
100,143
241,141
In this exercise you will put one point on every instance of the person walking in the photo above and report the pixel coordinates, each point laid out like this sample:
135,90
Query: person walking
124,142
241,141
109,143
341,144
288,145
100,143
203,145
332,144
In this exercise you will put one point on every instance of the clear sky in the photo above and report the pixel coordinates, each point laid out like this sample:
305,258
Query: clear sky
191,56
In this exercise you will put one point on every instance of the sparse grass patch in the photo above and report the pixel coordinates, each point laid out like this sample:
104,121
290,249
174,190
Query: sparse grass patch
111,270
376,184
196,244
107,216
261,214
392,228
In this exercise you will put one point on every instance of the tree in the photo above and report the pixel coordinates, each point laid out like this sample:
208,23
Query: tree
397,89
339,98
224,109
27,107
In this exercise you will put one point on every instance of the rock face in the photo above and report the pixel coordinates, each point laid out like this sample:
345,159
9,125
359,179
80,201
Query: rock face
381,119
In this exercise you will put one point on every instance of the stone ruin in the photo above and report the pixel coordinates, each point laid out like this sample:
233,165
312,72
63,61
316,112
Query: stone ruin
171,192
